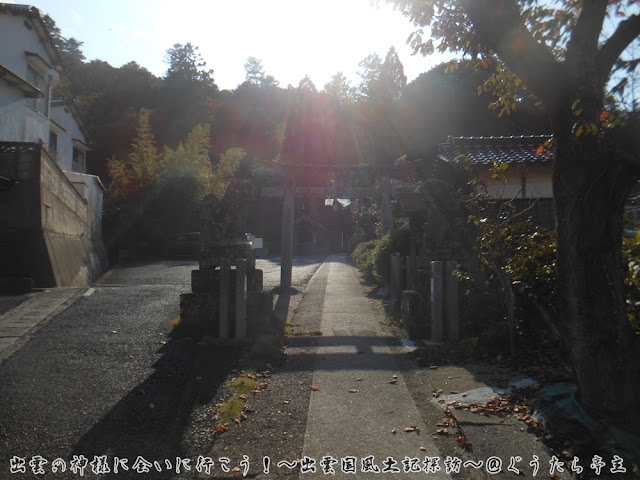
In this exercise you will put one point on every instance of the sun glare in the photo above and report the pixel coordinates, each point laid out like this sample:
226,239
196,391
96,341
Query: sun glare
294,38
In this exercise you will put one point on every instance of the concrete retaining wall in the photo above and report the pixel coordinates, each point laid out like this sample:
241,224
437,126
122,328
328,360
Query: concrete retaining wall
47,229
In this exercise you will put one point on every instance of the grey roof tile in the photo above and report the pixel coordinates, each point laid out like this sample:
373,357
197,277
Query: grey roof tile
484,150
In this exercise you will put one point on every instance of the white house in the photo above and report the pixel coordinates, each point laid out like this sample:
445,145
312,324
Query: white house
30,66
43,148
68,146
526,178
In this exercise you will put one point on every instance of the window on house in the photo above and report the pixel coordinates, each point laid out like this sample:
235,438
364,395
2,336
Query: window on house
37,80
53,142
79,160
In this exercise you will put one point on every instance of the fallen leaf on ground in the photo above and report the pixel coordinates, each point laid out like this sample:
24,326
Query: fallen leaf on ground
454,392
286,402
221,428
358,379
263,386
315,389
393,382
463,442
235,469
394,431
433,367
244,397
412,428
442,431
423,449
353,390
237,421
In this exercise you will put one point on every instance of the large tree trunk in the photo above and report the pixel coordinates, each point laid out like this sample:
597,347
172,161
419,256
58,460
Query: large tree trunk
591,186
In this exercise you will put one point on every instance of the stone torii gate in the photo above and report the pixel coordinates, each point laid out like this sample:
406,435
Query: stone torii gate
290,191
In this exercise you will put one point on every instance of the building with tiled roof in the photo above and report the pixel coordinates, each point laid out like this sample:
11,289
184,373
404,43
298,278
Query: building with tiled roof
527,177
486,150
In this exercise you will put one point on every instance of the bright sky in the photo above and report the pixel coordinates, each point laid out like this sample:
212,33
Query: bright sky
293,38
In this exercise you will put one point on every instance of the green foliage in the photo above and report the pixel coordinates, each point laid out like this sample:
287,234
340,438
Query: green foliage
255,75
226,169
382,81
141,169
631,253
187,65
521,250
191,160
339,88
373,258
363,258
458,28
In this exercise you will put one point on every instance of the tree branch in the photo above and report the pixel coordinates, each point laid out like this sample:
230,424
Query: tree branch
501,27
627,31
587,29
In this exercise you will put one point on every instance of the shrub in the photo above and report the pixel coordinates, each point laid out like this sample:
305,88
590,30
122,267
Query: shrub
373,258
362,257
631,252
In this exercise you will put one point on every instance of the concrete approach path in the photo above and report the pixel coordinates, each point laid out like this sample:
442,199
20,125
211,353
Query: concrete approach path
362,405
372,406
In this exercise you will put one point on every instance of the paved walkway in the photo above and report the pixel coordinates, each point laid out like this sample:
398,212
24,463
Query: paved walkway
362,405
16,323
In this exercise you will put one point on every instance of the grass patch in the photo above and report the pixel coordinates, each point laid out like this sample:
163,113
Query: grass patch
175,323
393,321
232,408
288,326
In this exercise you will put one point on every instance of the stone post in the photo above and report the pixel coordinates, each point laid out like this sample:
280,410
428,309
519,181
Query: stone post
223,309
451,287
286,253
241,298
437,329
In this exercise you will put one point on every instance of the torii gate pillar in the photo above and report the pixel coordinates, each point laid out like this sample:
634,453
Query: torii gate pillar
286,249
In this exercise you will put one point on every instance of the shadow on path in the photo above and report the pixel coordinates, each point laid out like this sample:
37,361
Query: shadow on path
152,419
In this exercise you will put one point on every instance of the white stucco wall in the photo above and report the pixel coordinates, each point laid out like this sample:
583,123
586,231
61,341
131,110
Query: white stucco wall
539,181
19,122
91,189
21,119
537,178
70,131
22,40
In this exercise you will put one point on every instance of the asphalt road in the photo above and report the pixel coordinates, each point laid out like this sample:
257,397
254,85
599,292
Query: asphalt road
104,377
